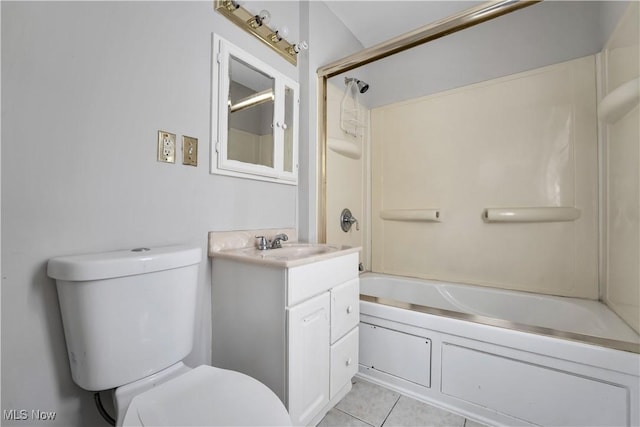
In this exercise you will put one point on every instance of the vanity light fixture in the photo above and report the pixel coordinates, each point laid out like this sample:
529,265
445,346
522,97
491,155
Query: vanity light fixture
258,26
279,34
261,18
231,5
297,48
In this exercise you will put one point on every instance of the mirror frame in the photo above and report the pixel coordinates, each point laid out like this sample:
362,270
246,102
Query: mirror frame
223,50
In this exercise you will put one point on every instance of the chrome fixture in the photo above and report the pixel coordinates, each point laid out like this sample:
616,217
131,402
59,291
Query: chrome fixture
264,244
258,26
347,220
277,241
362,86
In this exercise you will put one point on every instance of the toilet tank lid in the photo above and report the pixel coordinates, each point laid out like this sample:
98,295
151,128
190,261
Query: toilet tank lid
122,263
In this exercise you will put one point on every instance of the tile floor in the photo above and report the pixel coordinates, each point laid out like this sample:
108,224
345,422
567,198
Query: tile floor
369,405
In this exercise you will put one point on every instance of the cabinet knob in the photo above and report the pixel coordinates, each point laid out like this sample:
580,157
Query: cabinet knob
349,309
348,362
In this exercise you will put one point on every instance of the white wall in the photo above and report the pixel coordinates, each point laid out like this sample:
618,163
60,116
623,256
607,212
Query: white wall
86,87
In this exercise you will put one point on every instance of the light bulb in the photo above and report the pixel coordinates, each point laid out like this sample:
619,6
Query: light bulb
299,47
283,32
264,16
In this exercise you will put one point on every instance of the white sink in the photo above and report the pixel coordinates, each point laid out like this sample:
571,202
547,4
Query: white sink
299,250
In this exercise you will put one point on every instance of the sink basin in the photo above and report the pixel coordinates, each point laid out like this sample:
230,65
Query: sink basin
299,250
290,254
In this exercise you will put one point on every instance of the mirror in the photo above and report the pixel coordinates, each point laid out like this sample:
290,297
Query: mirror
255,118
289,96
250,114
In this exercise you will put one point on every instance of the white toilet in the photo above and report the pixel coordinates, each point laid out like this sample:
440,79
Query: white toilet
128,320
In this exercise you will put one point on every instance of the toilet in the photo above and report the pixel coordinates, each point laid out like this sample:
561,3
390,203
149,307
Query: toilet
128,320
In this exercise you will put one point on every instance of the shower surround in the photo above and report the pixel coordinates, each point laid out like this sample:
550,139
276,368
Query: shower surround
525,140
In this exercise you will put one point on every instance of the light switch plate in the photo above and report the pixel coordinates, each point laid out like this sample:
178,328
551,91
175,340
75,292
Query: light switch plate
166,147
189,151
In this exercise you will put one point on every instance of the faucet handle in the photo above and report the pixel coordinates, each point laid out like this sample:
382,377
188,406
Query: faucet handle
262,243
347,220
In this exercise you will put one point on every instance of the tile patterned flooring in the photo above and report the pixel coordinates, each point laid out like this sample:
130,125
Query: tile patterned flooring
370,405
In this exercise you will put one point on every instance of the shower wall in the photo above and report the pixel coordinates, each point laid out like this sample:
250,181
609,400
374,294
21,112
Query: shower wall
347,184
525,140
621,140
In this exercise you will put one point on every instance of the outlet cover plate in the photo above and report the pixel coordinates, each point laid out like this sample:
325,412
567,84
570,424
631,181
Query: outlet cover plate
189,151
166,147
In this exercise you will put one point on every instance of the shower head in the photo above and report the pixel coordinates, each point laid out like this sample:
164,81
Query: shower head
362,86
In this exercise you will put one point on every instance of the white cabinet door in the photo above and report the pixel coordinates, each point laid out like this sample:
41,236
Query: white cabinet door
308,348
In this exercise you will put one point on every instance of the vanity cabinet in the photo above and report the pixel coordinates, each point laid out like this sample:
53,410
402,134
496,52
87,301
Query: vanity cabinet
294,328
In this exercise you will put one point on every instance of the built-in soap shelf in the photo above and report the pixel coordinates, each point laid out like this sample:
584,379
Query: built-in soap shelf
532,214
350,149
619,101
414,215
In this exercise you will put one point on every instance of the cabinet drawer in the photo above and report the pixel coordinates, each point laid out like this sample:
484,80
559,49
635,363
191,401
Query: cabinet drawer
344,361
345,308
306,281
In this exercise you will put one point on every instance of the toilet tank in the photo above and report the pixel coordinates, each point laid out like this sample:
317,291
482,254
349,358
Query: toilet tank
126,314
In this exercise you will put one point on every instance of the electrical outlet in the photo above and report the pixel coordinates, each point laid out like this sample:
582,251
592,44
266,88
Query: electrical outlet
166,147
189,151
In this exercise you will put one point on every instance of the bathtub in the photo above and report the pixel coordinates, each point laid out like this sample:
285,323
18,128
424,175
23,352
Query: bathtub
499,357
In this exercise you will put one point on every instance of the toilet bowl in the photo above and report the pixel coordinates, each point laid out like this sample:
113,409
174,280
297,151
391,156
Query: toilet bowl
128,318
206,396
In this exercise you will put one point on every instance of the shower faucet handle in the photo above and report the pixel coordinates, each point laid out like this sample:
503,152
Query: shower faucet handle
347,220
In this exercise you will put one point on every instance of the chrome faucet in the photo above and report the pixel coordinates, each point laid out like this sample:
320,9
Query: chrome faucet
277,241
264,244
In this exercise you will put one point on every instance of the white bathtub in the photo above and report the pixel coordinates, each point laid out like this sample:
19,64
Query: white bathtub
500,357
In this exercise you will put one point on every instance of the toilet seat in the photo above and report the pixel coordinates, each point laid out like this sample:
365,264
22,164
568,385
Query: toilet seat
208,396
